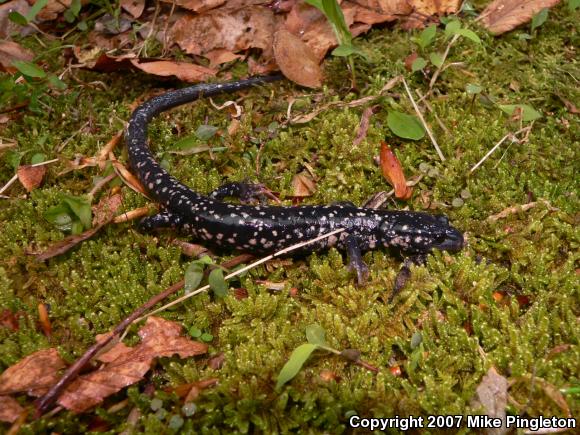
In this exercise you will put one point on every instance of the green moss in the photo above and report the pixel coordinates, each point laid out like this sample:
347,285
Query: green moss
451,302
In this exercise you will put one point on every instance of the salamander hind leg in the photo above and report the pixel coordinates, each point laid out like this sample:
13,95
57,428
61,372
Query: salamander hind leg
165,219
245,192
355,261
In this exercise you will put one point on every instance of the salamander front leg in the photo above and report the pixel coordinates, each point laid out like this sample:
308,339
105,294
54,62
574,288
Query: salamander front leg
355,261
405,273
245,192
165,219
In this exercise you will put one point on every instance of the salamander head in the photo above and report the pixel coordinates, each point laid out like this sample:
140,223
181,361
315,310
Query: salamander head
416,232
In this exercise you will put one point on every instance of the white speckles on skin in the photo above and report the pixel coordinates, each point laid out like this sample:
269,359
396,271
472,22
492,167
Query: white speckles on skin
405,227
231,240
332,240
263,241
253,242
150,185
275,233
219,236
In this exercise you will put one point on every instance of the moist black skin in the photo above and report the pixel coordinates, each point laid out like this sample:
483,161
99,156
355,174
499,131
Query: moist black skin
266,229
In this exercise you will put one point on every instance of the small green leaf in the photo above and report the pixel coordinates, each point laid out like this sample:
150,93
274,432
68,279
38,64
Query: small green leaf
195,332
405,126
13,158
185,143
473,89
35,9
29,69
418,64
416,339
436,59
452,27
81,208
37,158
193,276
205,132
56,83
206,336
17,18
315,334
528,112
469,34
206,259
344,50
60,216
539,19
295,363
82,26
427,36
77,228
217,283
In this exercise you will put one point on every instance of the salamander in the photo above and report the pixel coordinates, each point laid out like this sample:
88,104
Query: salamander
265,229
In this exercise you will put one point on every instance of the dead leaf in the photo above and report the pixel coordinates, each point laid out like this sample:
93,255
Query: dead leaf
197,5
296,60
197,387
250,27
34,374
303,185
159,338
409,61
187,72
190,249
11,51
30,176
105,210
45,324
134,7
393,172
491,394
10,409
9,320
501,16
216,362
328,376
221,55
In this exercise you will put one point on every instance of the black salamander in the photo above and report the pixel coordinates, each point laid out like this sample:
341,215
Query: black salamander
265,229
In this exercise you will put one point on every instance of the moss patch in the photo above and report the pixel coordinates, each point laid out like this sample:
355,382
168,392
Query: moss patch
529,259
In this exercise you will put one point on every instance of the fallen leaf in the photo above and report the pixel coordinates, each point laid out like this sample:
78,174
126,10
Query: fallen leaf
9,320
393,172
30,176
221,55
190,249
303,185
44,320
187,72
134,7
491,394
7,26
249,27
240,293
105,210
198,387
34,374
159,338
296,60
501,16
216,362
11,51
197,5
10,409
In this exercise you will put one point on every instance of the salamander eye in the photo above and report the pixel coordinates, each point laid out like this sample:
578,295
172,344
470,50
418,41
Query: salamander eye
443,220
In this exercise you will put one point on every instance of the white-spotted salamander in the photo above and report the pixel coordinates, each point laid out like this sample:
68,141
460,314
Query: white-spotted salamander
265,229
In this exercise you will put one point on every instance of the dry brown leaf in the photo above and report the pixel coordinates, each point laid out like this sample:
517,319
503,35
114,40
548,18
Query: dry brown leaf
105,210
250,27
221,55
44,319
9,320
393,172
198,387
363,126
197,5
435,7
11,51
296,60
159,338
10,409
30,176
216,362
502,16
491,394
187,72
134,7
303,185
34,374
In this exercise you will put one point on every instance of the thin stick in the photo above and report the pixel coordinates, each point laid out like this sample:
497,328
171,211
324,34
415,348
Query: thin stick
420,115
445,54
496,146
240,271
